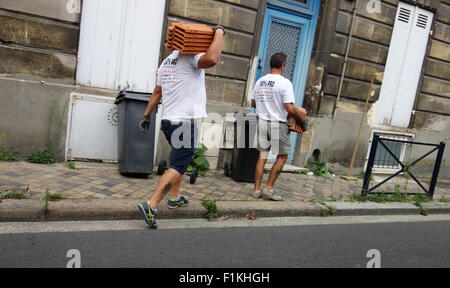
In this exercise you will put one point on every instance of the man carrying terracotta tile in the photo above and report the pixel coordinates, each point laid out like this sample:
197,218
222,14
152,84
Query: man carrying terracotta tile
273,98
181,86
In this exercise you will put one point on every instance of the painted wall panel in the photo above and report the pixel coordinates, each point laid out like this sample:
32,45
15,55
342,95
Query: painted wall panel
92,130
404,65
394,64
410,76
119,44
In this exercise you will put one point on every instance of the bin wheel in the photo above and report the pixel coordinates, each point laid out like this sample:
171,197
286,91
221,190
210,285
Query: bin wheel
162,167
194,176
227,169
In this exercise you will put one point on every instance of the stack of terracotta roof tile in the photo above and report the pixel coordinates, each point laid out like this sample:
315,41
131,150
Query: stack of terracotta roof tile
189,39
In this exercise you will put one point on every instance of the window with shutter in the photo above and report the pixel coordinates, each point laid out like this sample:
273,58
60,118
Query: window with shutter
404,65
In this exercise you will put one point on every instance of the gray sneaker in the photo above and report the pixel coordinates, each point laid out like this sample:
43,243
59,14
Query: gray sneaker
256,195
270,195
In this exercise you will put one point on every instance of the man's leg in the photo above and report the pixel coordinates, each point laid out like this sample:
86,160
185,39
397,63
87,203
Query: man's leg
176,189
149,209
171,180
259,171
165,185
282,149
177,200
276,171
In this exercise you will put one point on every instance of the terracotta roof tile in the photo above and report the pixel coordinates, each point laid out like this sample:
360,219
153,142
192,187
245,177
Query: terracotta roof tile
189,38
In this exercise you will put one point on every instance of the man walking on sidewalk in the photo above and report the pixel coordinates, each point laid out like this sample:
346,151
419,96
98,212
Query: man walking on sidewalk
273,98
181,85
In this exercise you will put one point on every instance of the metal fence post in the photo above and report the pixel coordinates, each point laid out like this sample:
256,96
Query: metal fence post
437,167
373,151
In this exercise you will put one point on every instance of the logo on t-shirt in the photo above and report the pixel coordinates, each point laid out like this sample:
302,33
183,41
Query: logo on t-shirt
270,84
170,62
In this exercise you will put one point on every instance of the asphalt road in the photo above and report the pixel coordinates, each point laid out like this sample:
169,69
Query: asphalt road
400,244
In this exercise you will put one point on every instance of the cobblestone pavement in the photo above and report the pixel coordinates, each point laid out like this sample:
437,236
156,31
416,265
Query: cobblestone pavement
98,181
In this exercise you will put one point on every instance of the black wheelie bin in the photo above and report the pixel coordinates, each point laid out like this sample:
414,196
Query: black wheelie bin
136,149
244,155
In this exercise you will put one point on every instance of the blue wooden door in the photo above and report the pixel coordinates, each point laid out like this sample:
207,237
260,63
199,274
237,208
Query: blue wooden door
289,27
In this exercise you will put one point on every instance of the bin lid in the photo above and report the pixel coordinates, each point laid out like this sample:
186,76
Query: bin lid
145,97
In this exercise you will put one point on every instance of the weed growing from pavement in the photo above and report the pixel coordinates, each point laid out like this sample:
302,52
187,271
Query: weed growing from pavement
71,165
418,200
50,197
6,152
362,174
14,195
41,157
211,207
397,196
45,201
444,200
329,211
319,169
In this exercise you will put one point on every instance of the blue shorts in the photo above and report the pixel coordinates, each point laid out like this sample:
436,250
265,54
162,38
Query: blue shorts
181,136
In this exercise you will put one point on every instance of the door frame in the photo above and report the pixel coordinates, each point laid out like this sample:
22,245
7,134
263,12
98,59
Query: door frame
304,16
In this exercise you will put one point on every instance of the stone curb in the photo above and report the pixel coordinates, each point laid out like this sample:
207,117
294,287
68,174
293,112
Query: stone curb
28,210
370,208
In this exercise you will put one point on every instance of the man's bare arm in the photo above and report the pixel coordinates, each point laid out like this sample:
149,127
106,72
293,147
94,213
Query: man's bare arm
253,103
298,112
212,56
154,101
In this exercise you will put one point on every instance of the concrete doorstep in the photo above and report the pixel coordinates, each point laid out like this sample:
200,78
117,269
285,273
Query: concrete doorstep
28,210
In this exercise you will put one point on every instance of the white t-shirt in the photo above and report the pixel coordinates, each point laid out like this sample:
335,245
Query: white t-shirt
183,87
271,92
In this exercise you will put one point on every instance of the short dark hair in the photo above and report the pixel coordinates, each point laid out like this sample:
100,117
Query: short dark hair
278,60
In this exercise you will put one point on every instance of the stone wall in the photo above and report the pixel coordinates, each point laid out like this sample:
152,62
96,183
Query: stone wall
38,51
38,38
368,52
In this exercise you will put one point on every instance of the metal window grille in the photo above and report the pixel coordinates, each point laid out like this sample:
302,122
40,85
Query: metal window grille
283,38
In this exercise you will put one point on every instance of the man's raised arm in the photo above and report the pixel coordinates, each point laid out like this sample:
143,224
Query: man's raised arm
212,56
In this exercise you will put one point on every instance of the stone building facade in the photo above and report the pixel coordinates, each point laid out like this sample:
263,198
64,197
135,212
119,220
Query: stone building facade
38,61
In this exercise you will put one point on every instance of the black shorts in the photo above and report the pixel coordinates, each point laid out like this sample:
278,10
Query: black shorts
181,136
